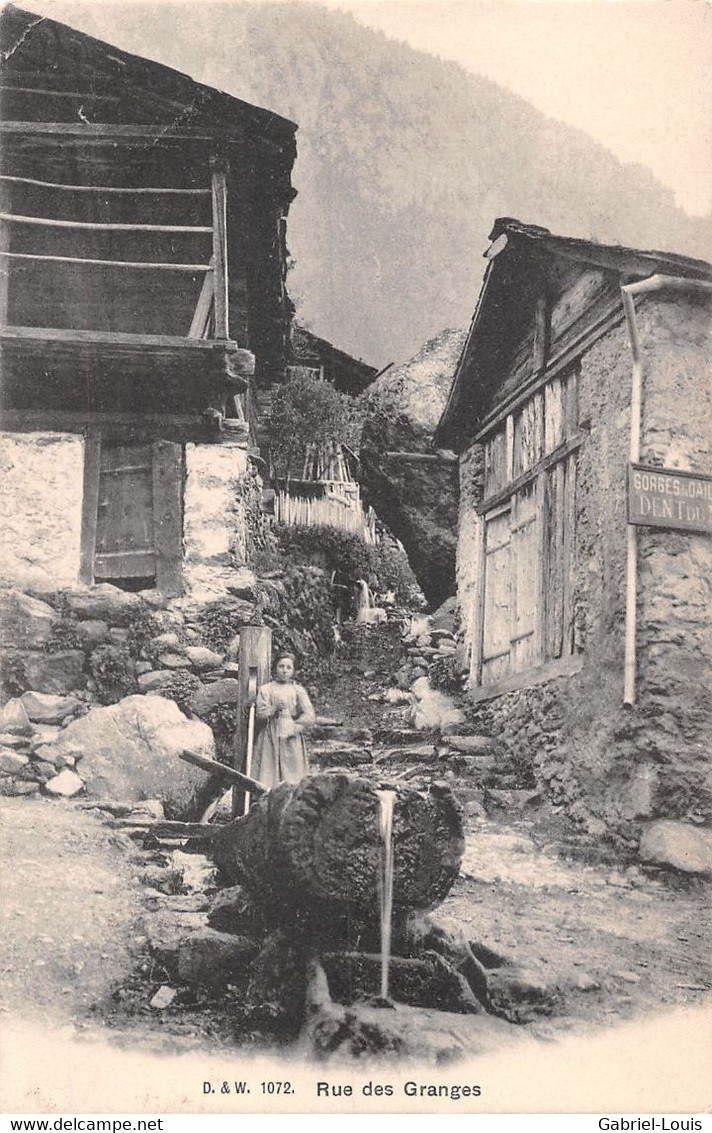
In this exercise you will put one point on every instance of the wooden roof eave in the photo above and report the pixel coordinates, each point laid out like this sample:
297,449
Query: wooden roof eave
447,432
134,72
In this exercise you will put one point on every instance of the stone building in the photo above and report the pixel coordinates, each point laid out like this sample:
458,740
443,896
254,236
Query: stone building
581,412
143,296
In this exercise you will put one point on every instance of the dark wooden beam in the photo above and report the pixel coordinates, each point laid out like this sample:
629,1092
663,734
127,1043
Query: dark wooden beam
132,191
108,131
219,260
141,265
145,342
51,222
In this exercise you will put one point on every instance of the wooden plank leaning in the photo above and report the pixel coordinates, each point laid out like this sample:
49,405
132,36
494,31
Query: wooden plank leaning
215,768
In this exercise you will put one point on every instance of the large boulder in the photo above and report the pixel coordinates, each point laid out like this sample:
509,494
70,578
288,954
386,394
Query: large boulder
679,845
131,750
25,623
417,500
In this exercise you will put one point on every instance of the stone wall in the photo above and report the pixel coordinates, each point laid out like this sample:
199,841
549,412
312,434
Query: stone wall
610,765
214,522
469,535
41,478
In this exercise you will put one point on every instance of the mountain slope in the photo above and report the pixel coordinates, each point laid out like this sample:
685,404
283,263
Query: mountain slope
404,162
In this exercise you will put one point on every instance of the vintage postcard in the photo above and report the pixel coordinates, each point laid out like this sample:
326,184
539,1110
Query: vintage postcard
356,502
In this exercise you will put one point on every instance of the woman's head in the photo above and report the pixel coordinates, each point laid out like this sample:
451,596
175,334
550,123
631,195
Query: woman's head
284,666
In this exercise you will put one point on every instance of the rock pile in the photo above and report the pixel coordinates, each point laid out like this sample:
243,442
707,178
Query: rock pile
130,750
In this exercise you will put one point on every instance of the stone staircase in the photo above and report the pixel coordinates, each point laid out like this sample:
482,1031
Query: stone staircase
480,776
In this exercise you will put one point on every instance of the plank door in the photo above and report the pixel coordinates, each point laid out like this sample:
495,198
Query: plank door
497,598
125,548
525,558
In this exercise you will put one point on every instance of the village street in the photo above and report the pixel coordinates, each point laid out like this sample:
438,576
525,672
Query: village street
610,945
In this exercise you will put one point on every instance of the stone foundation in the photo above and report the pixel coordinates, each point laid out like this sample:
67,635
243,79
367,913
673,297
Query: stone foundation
214,524
41,478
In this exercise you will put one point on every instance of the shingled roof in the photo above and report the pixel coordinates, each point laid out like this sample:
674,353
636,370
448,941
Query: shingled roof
515,248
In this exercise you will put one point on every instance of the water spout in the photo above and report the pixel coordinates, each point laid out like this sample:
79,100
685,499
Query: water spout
386,800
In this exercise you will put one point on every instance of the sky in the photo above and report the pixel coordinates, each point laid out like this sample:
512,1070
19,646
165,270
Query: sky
634,74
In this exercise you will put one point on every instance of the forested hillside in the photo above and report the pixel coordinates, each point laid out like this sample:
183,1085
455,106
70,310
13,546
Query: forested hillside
404,162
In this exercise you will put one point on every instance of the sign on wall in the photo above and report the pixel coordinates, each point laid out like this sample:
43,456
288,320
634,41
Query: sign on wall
660,497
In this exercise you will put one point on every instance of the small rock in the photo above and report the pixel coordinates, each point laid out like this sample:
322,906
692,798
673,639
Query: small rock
202,658
104,602
396,696
14,787
8,740
43,735
45,708
143,667
233,911
518,994
65,785
163,997
583,982
14,719
157,679
219,693
471,745
677,844
11,762
513,799
42,771
173,661
25,622
164,643
213,958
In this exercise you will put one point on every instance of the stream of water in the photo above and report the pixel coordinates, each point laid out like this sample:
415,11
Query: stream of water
386,800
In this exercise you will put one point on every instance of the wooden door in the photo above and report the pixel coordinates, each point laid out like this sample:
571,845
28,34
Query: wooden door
497,598
125,543
132,515
525,554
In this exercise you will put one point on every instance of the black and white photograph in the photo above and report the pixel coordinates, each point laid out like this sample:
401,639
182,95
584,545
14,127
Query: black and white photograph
356,559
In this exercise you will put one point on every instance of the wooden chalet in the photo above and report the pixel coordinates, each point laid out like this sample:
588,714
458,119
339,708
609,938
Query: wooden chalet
143,263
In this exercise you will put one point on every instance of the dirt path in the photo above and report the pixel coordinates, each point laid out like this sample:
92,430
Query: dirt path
613,943
619,948
68,909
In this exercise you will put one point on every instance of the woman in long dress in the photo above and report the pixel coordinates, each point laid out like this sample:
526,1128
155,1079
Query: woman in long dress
286,711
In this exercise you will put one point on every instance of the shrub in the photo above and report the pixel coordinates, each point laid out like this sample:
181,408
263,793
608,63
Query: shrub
13,676
181,688
383,566
114,673
308,411
218,622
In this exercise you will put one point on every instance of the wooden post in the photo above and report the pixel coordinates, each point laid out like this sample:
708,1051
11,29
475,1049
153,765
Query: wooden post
220,274
254,660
